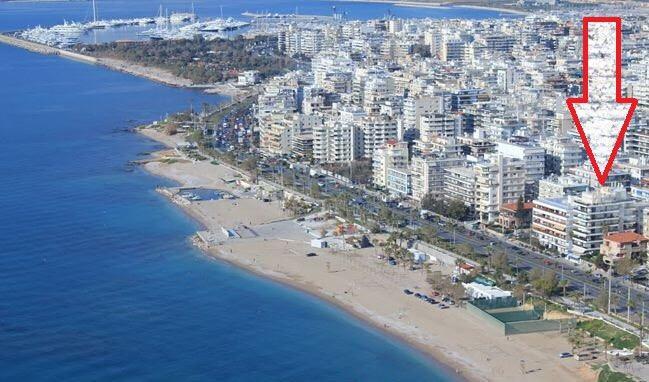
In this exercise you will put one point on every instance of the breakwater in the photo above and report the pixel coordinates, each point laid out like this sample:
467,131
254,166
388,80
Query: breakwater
45,49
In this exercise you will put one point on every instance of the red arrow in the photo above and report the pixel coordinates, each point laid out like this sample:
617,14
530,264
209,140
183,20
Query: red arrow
601,115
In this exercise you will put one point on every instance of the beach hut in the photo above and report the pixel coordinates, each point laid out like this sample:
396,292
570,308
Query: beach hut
318,243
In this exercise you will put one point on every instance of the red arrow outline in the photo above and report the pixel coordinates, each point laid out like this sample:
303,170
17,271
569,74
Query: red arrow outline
602,176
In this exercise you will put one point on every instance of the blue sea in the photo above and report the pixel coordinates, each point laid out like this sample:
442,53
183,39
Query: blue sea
98,281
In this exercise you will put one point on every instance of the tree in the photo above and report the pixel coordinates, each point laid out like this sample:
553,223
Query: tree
546,284
457,292
171,129
386,216
426,233
523,277
520,211
456,210
453,209
464,250
563,284
625,265
435,279
602,299
519,291
500,263
315,190
250,164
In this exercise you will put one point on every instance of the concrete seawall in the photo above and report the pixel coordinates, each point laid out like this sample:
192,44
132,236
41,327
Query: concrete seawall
44,49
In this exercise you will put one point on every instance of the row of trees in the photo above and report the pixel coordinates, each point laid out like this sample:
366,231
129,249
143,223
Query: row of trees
450,208
359,171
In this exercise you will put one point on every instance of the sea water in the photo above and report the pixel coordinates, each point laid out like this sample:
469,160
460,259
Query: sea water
98,281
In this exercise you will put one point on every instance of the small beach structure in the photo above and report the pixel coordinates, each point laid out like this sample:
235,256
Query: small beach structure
319,243
478,290
230,233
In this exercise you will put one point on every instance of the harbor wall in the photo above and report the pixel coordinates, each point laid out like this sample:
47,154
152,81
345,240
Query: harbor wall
44,49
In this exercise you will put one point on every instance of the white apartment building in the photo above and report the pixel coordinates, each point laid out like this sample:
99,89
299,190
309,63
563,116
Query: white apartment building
560,186
375,131
415,107
433,125
636,140
637,168
376,91
576,225
499,180
428,173
551,223
308,42
325,64
248,77
398,181
395,26
448,145
334,141
278,131
562,154
392,154
533,158
459,185
604,210
361,76
616,177
457,51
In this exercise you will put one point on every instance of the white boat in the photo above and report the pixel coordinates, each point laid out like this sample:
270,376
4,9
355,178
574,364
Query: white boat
182,17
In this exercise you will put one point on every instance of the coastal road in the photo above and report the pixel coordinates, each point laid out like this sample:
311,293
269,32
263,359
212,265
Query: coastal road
483,243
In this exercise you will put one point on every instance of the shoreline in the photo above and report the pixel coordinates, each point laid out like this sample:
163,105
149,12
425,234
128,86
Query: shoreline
487,8
154,74
437,360
452,367
441,5
382,303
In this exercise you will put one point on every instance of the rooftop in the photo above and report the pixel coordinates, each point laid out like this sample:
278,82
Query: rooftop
625,237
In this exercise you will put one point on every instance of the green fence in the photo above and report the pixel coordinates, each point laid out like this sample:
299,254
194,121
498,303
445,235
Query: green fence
482,314
495,303
522,327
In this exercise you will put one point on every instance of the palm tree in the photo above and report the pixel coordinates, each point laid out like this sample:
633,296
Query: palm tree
563,284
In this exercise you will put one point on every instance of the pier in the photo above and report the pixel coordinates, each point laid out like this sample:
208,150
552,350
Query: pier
45,49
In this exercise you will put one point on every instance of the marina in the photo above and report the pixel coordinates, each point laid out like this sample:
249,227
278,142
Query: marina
208,29
167,26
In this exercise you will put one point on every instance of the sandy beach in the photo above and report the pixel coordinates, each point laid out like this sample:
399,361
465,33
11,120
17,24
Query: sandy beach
355,280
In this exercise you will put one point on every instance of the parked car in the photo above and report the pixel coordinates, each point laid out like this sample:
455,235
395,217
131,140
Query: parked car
407,291
311,254
565,354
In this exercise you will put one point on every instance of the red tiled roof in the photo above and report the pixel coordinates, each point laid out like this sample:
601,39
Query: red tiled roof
625,237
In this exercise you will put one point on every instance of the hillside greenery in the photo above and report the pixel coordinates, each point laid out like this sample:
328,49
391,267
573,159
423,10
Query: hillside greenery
199,60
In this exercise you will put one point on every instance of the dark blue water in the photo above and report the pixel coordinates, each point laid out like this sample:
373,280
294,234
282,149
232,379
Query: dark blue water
21,15
97,279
